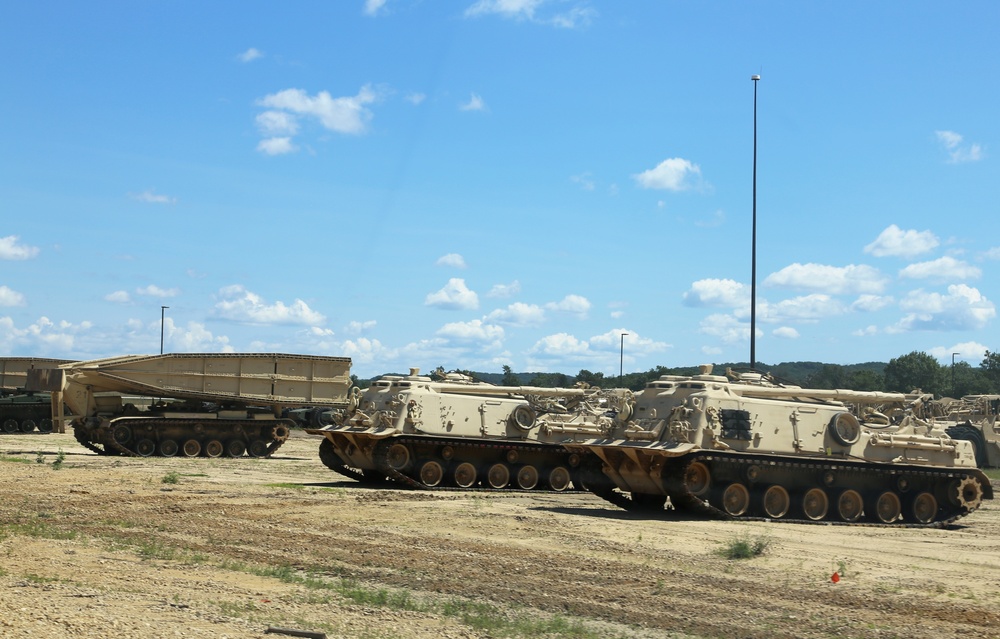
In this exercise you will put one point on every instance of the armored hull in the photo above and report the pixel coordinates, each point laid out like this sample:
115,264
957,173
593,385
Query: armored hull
734,449
198,404
23,412
429,434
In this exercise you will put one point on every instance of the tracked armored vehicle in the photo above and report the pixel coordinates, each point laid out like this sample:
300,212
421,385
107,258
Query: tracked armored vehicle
749,447
196,404
458,432
20,411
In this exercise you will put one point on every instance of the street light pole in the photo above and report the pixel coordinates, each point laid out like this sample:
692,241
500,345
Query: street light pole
162,310
753,249
621,360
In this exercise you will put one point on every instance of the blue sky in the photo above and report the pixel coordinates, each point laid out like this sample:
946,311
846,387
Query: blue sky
476,183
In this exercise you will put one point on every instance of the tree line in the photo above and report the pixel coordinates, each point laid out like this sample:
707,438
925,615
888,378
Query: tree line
914,371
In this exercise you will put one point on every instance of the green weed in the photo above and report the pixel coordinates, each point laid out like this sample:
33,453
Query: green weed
743,547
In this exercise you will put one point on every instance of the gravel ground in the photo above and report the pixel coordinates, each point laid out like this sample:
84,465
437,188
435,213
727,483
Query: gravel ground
94,546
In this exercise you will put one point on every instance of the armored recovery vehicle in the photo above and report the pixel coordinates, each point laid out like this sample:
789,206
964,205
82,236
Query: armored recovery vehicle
198,404
458,432
753,448
22,411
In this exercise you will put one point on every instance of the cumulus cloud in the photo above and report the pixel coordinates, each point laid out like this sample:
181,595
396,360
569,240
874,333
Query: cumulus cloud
518,314
473,331
276,146
718,293
474,103
961,308
250,55
195,338
118,297
812,307
895,242
453,260
674,174
726,328
573,304
611,341
958,151
150,197
785,332
373,7
454,295
10,297
349,115
356,327
942,269
851,279
972,352
505,290
155,291
871,303
560,345
238,304
11,249
576,16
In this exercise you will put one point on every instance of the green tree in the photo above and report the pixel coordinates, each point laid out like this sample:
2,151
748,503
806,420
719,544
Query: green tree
991,369
509,378
865,380
829,376
594,379
916,370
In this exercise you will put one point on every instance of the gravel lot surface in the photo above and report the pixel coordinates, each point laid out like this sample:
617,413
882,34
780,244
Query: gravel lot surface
94,546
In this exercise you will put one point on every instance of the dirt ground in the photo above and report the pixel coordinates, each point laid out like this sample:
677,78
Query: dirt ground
94,546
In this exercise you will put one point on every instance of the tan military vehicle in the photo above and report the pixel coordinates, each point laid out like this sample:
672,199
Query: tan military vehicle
750,447
20,411
458,432
189,404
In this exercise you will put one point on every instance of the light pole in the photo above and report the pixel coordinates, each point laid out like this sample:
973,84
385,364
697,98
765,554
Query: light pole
753,249
953,373
621,360
162,310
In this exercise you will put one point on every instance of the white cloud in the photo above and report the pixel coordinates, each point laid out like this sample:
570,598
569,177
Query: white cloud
992,254
611,341
416,98
836,280
962,308
10,249
971,352
150,197
518,314
373,7
473,331
505,290
560,345
277,123
895,242
718,293
785,332
577,15
348,115
357,328
957,151
195,338
871,303
250,55
942,269
276,146
475,103
155,291
674,174
118,297
10,297
240,305
454,295
806,308
725,327
573,304
453,260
